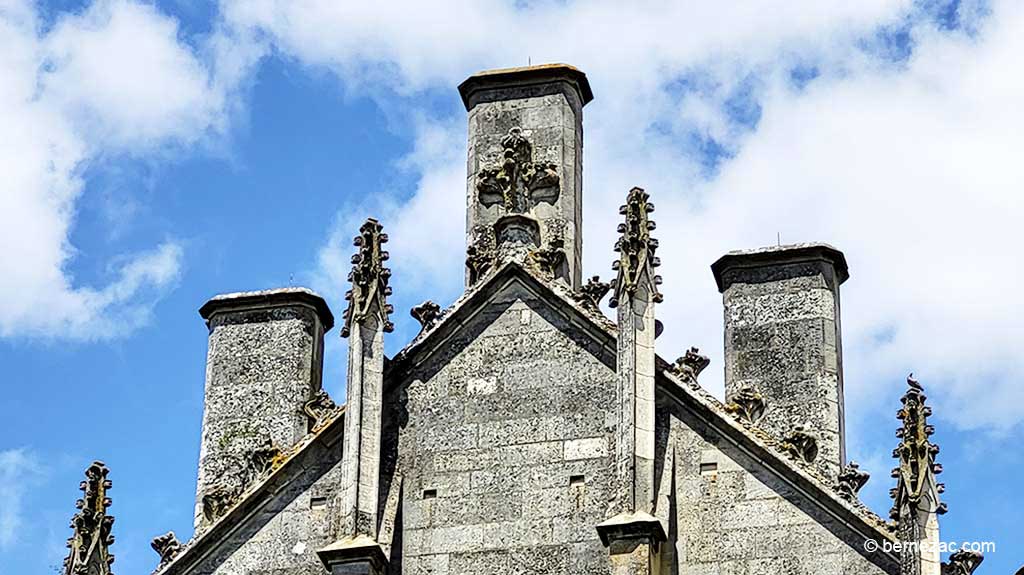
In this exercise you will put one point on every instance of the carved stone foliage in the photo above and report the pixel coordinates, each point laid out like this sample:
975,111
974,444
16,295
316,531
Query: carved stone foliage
427,313
592,292
963,562
916,470
689,366
518,182
90,543
636,249
748,405
481,254
801,444
369,279
549,259
167,546
850,481
221,497
319,409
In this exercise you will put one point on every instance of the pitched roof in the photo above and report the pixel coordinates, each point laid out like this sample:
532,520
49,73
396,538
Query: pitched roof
758,444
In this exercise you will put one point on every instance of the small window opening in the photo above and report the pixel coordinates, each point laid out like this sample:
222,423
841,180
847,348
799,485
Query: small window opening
317,502
429,493
709,468
577,480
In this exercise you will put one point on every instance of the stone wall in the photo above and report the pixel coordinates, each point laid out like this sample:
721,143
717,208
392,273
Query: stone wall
729,514
506,454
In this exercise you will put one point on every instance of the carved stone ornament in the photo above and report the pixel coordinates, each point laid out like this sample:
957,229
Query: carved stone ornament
319,409
850,481
90,543
549,259
167,546
263,461
801,444
518,182
963,562
915,453
592,292
481,253
369,279
427,313
689,366
636,249
748,405
218,500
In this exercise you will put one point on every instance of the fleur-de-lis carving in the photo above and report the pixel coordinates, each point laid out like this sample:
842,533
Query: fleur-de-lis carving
517,182
747,404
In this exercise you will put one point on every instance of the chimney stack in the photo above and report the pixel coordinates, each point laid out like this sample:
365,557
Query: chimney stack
782,338
265,361
525,168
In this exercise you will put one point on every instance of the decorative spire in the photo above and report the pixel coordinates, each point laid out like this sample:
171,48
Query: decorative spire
851,480
636,248
369,279
518,182
91,541
963,562
917,468
168,546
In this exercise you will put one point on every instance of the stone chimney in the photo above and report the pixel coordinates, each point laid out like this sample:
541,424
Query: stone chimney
264,363
783,340
525,168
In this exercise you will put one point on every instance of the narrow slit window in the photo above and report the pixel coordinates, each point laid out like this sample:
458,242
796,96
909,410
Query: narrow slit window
429,493
317,502
709,468
577,480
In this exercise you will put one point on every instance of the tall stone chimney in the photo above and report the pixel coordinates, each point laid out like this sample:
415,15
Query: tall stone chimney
525,168
782,338
265,361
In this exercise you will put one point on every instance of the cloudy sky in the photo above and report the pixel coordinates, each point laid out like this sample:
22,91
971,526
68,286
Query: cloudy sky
155,154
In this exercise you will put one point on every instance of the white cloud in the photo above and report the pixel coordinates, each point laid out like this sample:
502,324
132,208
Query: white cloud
18,471
909,167
112,79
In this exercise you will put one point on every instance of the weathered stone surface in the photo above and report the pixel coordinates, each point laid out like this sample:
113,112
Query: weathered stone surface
264,363
782,339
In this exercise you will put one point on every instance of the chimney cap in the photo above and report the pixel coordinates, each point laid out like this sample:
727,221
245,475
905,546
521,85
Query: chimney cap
525,76
280,297
778,256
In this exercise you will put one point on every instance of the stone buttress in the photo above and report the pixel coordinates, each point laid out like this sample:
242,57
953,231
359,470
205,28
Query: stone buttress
366,321
265,361
633,534
783,342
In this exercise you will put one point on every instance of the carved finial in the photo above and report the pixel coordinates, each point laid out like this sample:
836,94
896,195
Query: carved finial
592,292
915,453
369,279
850,481
427,313
689,365
636,248
90,543
319,409
518,182
963,562
748,405
801,444
167,546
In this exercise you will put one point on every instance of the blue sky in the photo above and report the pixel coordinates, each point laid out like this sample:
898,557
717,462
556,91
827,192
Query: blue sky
157,154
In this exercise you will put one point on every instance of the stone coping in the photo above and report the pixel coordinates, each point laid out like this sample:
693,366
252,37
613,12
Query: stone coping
525,76
272,298
777,256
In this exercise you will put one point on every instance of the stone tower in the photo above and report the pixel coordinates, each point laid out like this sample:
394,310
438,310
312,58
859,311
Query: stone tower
524,189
